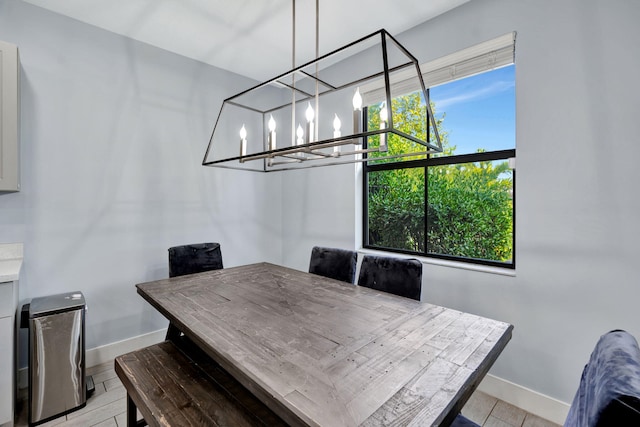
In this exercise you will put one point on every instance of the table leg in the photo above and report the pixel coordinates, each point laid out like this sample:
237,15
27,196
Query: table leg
173,333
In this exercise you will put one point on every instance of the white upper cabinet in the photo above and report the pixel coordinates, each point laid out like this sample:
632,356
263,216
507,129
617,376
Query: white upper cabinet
9,118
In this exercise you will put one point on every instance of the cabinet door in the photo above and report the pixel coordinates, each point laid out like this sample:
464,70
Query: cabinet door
9,114
6,370
7,303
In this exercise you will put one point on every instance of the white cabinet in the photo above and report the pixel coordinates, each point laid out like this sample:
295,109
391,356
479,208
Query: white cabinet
8,309
9,118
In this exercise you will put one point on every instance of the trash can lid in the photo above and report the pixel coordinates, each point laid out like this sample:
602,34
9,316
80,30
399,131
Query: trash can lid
56,304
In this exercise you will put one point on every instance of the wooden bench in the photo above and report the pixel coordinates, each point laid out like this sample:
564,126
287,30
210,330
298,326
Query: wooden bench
171,389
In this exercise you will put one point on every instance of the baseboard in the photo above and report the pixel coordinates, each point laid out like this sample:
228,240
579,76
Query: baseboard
531,401
108,352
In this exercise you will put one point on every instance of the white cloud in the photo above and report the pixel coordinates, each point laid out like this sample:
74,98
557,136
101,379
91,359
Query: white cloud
483,92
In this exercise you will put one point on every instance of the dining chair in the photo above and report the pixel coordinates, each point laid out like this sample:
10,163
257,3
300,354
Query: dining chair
462,421
399,276
191,259
339,264
194,258
609,390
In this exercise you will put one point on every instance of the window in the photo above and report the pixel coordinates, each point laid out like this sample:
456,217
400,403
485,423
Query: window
458,204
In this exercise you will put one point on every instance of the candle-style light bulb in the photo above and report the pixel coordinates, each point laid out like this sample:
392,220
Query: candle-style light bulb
300,135
310,113
310,128
357,100
272,133
336,126
336,133
384,116
243,142
357,113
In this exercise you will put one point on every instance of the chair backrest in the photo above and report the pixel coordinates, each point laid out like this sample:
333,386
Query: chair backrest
339,264
394,275
609,392
195,258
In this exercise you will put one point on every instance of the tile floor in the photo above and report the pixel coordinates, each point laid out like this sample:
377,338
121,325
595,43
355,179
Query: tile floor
491,412
107,407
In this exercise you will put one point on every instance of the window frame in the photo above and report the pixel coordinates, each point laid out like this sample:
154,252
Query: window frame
426,163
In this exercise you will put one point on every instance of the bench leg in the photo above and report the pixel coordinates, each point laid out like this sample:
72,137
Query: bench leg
132,414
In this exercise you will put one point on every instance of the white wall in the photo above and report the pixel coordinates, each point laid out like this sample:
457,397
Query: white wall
113,134
318,210
577,227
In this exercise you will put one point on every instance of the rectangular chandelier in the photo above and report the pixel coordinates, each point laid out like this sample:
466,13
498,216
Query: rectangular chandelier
313,115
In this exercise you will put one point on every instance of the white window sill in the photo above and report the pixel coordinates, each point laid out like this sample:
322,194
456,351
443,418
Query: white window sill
445,263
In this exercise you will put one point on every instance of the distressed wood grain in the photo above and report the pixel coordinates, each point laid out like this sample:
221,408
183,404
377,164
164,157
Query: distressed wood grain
318,351
171,389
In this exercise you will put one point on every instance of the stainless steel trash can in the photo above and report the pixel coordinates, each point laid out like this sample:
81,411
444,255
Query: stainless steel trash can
57,383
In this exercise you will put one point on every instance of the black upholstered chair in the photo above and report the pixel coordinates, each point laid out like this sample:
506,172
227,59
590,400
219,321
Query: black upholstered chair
339,264
394,275
462,421
195,258
191,259
609,391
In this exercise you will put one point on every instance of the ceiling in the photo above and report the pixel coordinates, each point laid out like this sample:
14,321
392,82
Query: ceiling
249,37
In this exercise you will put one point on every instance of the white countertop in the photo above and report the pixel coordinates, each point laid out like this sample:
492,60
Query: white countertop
10,261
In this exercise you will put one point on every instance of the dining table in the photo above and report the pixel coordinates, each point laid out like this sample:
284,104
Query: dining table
322,352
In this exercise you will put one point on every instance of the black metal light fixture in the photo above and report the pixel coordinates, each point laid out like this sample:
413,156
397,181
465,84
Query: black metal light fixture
313,115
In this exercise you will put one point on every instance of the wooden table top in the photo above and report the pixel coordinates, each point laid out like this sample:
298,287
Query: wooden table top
322,352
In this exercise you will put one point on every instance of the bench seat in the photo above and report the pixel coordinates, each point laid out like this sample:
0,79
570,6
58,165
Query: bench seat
170,389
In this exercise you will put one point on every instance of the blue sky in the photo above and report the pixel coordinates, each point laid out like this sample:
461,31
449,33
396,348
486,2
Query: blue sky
479,110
